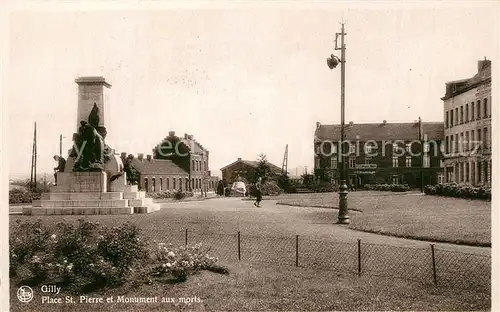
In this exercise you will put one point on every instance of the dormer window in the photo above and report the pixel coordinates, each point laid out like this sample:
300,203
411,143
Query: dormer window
454,88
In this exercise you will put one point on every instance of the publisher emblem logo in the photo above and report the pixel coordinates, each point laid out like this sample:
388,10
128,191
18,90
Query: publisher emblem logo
25,294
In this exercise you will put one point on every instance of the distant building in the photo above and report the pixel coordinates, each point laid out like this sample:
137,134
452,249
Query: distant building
376,153
176,164
242,168
467,109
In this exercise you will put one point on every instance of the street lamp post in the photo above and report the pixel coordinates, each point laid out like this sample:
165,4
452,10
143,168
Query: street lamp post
333,61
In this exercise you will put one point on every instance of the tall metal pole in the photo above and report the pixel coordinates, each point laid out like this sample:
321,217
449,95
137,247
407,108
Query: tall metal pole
343,217
422,151
35,157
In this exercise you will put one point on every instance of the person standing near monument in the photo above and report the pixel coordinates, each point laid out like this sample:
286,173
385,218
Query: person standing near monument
61,164
258,195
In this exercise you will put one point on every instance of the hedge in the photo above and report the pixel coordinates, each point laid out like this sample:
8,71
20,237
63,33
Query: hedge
178,194
388,187
18,196
457,190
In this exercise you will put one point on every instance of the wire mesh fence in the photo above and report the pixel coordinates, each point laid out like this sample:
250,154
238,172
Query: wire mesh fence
430,265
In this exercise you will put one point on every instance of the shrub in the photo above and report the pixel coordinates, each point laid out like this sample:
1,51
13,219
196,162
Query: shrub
81,257
400,188
459,190
269,188
179,263
323,187
173,194
19,196
388,187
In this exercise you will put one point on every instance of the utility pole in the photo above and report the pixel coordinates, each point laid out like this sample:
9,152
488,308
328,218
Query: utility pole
60,145
33,162
333,61
284,167
422,151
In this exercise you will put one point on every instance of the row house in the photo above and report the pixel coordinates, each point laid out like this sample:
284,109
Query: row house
467,109
375,153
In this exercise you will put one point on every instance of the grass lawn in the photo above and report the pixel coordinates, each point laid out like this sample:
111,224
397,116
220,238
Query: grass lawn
258,287
415,216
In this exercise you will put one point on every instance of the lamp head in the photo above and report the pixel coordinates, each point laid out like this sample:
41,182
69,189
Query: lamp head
332,61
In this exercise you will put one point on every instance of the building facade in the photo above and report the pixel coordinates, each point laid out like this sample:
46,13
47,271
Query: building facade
467,110
378,153
177,163
241,169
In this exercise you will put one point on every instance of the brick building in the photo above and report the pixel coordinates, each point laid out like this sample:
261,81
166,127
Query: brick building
242,168
376,153
467,109
177,163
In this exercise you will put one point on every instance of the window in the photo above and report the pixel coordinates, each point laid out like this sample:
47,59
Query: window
394,162
446,142
333,162
352,162
447,121
168,184
461,114
456,143
316,162
369,148
479,139
485,135
485,108
161,184
408,161
426,147
467,172
173,182
452,144
472,140
146,186
192,165
461,142
408,147
478,171
427,161
466,112
180,184
368,160
352,149
395,180
456,116
451,118
467,143
462,172
192,183
478,109
187,184
472,111
394,147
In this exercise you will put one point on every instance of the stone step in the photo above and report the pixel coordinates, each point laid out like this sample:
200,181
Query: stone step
140,202
83,196
134,195
81,203
37,211
126,188
147,209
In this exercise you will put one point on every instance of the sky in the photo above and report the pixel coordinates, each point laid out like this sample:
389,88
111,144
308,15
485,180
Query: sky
242,80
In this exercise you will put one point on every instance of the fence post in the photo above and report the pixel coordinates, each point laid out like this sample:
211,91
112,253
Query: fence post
296,250
186,242
434,264
359,256
239,246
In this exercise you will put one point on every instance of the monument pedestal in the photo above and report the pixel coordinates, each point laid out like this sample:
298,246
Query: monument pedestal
86,193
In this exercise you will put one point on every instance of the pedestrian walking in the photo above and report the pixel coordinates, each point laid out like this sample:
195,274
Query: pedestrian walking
258,187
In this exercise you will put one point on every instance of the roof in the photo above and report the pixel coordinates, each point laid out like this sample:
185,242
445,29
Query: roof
157,166
251,163
381,132
483,75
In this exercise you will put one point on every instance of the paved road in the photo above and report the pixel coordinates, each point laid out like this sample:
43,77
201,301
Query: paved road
229,215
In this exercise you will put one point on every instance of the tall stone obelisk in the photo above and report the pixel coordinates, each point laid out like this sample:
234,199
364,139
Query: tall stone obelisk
92,90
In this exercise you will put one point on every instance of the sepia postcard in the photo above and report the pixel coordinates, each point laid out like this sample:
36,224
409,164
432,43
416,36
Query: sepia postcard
249,156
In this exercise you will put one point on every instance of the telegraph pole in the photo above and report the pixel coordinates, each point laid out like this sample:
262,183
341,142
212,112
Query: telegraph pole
343,217
33,162
60,145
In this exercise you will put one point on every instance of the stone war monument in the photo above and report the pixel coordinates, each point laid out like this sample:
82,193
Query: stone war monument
94,181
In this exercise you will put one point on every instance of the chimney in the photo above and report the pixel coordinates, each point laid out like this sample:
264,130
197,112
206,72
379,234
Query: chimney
318,124
384,122
140,156
351,123
482,64
239,158
171,133
148,157
186,136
